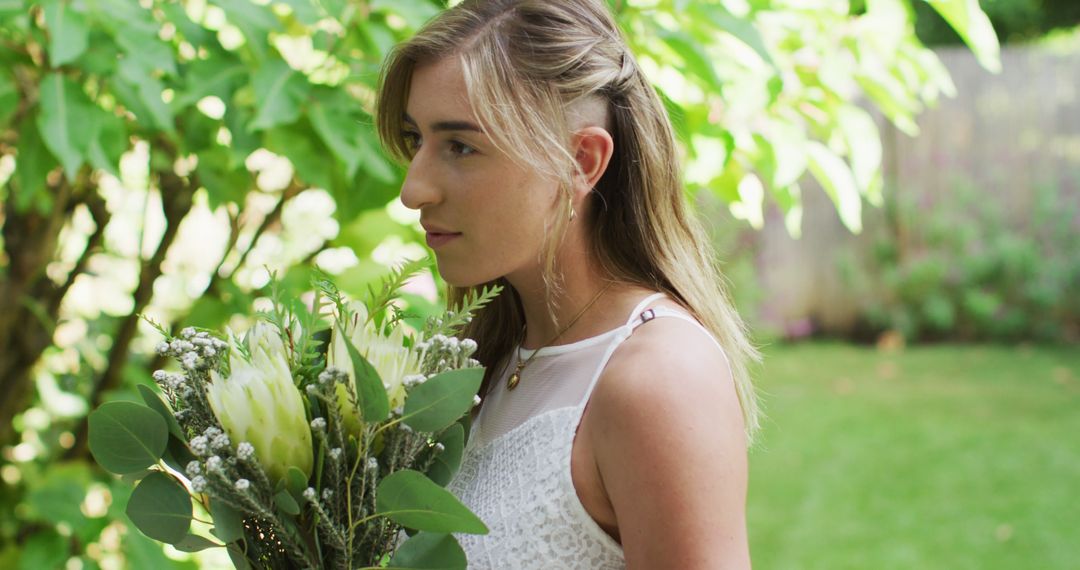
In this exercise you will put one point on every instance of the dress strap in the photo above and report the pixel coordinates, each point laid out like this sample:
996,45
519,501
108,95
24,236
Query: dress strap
635,314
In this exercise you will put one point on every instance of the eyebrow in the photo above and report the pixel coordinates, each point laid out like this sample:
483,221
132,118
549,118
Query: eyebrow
448,125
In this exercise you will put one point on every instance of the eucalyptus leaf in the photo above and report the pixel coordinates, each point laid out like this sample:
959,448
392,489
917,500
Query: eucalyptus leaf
442,399
155,403
447,462
295,481
125,437
236,556
373,401
228,522
286,502
430,551
411,499
195,543
161,508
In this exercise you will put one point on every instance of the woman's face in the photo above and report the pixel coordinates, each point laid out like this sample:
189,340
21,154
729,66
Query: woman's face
484,215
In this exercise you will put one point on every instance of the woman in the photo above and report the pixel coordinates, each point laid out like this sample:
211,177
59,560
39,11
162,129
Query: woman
541,159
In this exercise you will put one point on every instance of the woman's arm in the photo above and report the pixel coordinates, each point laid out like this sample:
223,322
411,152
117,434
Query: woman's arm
671,450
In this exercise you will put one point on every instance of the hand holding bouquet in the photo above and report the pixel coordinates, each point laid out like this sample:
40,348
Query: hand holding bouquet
312,442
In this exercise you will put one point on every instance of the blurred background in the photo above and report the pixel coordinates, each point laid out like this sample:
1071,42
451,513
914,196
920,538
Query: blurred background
892,187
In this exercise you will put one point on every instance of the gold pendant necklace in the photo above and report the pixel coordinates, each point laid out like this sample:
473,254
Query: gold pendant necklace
514,378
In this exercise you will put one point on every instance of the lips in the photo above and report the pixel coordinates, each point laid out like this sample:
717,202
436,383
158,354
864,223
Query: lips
435,240
438,235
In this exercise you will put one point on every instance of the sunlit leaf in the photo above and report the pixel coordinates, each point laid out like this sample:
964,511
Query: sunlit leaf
973,25
836,179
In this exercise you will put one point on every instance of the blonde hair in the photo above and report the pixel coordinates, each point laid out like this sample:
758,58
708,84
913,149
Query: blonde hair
526,64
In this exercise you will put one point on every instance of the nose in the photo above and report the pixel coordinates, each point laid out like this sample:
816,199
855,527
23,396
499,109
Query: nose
419,189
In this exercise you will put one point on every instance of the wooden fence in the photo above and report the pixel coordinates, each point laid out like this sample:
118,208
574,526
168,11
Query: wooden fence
1006,135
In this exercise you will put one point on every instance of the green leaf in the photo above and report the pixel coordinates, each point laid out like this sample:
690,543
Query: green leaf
447,462
141,552
68,32
56,497
66,123
339,130
148,51
32,166
218,76
236,556
9,97
864,146
373,401
313,162
295,481
697,62
44,549
224,183
973,25
177,455
255,21
145,93
430,551
126,437
442,399
154,401
195,543
411,499
279,91
228,522
109,145
838,182
161,508
124,17
308,12
741,28
286,502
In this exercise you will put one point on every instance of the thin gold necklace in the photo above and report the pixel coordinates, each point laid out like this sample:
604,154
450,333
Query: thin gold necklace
514,378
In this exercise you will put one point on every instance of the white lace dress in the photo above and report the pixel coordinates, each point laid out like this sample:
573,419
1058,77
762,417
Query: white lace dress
515,473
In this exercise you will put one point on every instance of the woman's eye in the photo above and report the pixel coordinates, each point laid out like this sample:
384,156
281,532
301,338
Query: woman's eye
412,140
461,149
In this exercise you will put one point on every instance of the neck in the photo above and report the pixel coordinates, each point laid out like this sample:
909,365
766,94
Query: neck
582,281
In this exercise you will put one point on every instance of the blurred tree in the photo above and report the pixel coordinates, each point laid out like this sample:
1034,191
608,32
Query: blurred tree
1014,20
156,156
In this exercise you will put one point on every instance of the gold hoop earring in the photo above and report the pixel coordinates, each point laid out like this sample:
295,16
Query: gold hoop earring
570,204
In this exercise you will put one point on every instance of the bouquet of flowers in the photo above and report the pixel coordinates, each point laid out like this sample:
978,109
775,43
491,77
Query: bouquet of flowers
322,438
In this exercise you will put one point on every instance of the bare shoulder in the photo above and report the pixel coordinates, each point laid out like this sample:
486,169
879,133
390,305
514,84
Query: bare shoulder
672,362
670,447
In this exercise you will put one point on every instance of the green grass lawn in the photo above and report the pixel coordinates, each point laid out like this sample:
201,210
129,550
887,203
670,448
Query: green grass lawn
945,457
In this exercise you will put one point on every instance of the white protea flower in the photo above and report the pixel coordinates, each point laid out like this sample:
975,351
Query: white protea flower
388,354
258,403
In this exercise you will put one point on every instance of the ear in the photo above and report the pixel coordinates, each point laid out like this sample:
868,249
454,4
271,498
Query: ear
593,147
